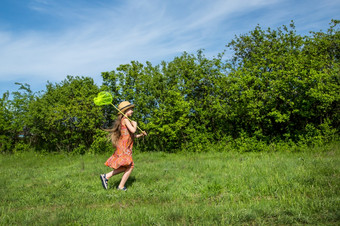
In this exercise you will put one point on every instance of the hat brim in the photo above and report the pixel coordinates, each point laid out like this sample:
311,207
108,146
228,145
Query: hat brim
126,108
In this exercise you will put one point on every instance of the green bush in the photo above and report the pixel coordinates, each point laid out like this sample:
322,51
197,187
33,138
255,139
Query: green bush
6,145
277,86
21,146
100,144
65,118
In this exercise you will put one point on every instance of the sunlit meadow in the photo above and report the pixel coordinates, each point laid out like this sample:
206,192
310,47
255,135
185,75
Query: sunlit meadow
185,189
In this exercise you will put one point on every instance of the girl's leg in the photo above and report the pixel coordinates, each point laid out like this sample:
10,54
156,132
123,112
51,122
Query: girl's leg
114,172
125,177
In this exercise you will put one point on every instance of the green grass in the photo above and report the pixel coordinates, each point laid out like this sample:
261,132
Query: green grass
180,189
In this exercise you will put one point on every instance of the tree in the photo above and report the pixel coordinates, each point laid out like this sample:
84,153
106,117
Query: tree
14,116
65,117
5,123
282,82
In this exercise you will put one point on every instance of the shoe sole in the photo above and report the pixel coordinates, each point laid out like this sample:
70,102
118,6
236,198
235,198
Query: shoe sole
123,189
103,182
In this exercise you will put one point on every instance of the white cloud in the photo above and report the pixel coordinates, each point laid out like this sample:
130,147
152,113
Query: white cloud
100,38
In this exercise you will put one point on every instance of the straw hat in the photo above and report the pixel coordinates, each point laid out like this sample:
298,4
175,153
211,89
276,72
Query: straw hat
125,105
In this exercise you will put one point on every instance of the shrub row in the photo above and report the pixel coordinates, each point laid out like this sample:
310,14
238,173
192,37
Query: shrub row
276,87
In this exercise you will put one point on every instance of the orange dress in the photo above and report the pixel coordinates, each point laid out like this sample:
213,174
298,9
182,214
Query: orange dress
123,154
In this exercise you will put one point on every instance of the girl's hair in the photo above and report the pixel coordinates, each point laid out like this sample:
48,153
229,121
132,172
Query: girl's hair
114,132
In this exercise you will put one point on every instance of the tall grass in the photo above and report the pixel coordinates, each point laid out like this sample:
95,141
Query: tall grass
204,189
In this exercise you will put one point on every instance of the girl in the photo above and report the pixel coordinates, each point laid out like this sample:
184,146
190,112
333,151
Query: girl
122,136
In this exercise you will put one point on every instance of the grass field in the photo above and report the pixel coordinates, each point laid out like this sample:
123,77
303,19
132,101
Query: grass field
173,189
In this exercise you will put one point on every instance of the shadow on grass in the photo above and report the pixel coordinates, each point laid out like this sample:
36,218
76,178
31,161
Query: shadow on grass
128,183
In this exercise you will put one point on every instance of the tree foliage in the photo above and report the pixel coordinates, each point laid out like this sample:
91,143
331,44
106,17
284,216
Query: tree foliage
13,118
277,86
65,117
285,83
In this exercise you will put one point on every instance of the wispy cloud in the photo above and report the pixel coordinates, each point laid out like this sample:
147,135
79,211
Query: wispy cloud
92,38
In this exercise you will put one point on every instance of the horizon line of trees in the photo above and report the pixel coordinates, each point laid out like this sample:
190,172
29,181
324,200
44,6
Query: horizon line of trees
278,86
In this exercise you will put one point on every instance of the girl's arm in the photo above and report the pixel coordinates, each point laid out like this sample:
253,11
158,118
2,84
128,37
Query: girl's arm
141,134
132,126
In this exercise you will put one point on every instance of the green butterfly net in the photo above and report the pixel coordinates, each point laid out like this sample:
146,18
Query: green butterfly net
103,98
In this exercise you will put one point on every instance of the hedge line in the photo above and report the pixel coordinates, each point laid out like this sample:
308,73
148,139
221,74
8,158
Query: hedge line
276,87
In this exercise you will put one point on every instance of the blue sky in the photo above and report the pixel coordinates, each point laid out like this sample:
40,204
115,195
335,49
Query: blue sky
46,40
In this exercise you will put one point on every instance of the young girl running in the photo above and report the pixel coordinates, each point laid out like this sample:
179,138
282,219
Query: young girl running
122,135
